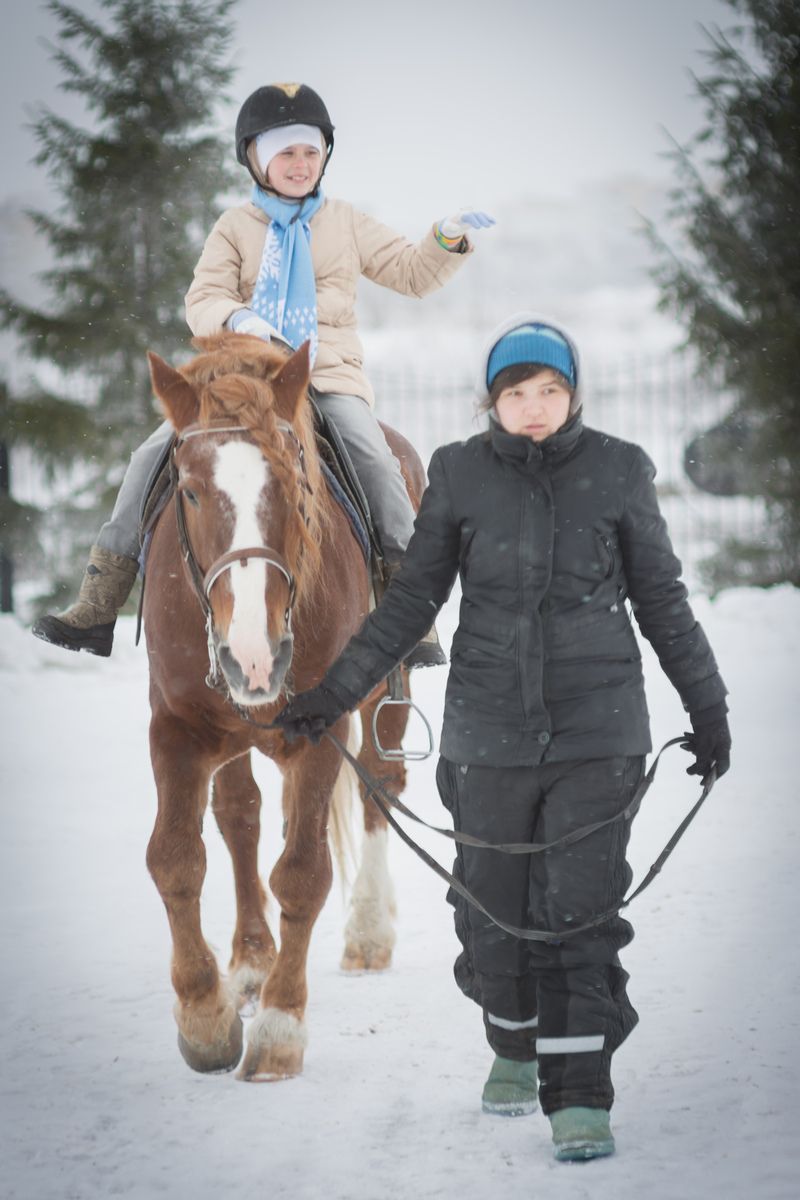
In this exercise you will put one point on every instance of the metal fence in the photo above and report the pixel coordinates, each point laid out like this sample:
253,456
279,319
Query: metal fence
658,403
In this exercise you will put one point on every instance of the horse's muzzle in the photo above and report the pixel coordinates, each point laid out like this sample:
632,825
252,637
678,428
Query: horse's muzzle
240,684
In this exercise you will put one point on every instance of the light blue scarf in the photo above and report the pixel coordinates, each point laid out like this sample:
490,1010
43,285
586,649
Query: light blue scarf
286,290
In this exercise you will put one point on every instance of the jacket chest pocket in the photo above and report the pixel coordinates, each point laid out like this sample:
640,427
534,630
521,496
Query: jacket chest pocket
608,555
588,553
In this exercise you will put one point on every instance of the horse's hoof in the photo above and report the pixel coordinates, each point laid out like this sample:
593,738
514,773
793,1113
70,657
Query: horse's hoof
276,1042
376,958
270,1065
218,1058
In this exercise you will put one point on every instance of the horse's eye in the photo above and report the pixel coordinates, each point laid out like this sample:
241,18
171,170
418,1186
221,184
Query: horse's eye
191,497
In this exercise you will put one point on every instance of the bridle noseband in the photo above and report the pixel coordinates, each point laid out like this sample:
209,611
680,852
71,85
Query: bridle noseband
203,582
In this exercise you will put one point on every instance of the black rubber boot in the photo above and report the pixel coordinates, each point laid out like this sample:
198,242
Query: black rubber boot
428,651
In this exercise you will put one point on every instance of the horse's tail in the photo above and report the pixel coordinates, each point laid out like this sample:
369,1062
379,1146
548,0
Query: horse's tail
340,822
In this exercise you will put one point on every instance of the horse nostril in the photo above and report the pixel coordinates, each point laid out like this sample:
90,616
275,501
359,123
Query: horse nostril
230,667
283,656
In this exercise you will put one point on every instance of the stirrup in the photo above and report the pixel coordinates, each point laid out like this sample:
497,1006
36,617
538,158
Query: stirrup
397,696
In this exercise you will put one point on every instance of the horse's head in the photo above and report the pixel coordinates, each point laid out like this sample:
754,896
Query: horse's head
245,476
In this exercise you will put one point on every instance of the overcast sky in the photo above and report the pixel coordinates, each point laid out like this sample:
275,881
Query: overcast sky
438,106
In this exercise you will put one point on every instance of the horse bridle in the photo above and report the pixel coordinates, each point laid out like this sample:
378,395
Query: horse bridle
203,582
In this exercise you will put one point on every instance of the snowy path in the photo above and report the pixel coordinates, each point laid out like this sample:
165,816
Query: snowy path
96,1101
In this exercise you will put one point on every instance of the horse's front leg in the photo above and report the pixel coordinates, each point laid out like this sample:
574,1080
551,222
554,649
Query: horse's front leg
236,802
209,1026
370,933
300,881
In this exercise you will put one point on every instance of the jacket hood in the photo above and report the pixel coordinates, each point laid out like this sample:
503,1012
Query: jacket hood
514,322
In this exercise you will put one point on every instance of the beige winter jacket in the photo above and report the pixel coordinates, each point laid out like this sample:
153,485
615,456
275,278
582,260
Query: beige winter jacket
345,244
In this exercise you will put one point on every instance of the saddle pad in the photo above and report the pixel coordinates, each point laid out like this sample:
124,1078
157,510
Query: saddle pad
349,509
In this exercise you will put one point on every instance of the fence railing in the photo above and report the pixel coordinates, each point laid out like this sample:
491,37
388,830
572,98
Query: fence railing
659,403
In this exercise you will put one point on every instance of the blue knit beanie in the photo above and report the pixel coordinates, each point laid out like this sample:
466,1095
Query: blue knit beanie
531,344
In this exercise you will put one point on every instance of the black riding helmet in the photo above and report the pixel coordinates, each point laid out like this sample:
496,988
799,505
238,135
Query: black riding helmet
279,104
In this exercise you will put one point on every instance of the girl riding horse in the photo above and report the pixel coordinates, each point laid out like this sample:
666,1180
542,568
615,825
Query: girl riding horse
285,265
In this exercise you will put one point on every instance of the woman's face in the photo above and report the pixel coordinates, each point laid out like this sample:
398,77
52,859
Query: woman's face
295,171
535,408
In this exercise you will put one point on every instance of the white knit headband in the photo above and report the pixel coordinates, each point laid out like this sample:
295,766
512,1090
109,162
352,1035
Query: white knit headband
272,141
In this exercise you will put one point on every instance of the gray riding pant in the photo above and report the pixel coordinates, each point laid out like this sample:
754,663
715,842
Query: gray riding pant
120,534
377,469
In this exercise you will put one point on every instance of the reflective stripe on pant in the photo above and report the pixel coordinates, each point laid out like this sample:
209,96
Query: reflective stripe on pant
377,469
564,1003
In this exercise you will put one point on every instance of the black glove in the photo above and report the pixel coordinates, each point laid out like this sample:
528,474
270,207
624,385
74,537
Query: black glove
710,742
310,714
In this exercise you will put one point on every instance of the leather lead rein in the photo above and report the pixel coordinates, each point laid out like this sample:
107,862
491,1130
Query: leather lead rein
385,801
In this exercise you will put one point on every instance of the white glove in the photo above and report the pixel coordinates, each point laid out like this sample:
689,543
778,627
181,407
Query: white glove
462,222
244,320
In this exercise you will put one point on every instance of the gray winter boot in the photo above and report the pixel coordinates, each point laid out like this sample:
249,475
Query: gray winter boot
89,623
581,1133
511,1089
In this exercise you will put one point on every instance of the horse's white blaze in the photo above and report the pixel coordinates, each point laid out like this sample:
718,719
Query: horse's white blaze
241,472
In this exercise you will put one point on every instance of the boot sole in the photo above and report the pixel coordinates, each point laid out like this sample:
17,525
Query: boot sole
582,1150
97,639
509,1108
425,655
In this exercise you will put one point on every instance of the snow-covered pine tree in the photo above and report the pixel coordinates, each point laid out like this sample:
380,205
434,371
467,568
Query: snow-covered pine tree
737,288
133,196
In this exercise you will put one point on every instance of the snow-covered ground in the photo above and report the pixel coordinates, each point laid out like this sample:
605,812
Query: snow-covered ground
97,1102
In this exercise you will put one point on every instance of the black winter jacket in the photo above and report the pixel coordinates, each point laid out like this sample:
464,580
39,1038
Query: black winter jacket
549,540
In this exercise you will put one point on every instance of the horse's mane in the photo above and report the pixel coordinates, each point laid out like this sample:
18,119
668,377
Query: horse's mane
232,379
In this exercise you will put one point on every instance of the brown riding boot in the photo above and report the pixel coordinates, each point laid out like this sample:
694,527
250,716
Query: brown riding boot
428,651
89,623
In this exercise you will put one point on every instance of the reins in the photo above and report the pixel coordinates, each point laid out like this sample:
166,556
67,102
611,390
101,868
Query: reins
385,801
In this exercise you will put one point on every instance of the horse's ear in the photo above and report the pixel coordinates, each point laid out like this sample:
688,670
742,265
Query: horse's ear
291,383
177,396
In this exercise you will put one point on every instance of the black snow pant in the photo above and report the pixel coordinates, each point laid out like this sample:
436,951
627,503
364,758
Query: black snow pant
563,1002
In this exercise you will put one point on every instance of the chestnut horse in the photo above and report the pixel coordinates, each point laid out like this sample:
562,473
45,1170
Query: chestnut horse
254,569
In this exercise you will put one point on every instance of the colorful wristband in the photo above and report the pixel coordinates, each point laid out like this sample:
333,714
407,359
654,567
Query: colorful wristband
448,243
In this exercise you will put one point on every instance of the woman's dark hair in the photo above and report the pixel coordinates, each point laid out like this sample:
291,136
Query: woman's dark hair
518,373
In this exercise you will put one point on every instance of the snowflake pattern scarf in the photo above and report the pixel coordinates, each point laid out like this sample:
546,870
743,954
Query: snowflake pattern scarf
286,291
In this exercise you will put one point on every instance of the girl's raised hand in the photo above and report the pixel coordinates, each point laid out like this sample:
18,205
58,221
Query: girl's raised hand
464,221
